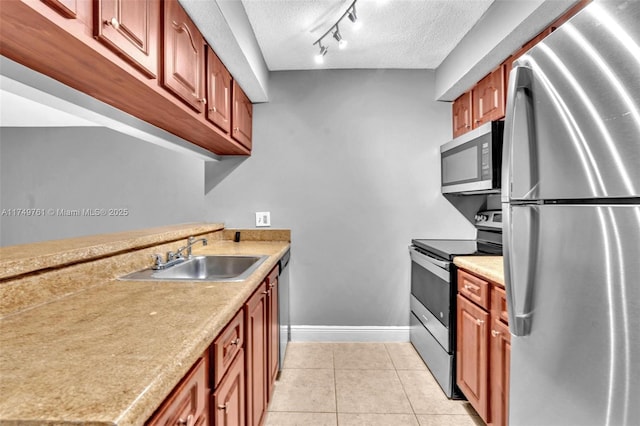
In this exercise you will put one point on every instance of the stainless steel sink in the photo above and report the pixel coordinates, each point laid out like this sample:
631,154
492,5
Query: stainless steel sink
203,268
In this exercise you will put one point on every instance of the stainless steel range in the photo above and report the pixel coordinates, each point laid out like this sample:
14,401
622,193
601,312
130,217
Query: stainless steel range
433,295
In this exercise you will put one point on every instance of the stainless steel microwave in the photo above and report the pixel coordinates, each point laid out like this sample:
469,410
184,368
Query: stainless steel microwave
471,163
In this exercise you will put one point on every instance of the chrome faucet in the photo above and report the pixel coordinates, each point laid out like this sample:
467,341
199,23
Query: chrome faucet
173,258
190,242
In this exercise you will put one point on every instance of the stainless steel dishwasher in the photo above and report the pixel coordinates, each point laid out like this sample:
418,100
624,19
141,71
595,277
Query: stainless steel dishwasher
283,308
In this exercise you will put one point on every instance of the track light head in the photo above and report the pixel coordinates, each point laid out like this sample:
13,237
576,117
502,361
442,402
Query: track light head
352,14
342,43
323,51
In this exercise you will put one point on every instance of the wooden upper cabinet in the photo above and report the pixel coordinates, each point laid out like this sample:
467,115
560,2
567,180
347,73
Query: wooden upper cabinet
183,56
66,8
218,92
462,114
242,118
130,29
489,98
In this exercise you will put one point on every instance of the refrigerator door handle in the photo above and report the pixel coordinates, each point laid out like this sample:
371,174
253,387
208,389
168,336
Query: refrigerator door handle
518,271
518,152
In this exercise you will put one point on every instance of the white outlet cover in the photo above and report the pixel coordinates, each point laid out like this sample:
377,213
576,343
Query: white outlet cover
263,218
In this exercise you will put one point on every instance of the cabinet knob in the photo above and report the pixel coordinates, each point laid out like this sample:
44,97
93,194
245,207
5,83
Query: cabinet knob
203,101
213,109
272,285
113,22
223,407
235,341
479,321
495,333
235,129
265,292
467,287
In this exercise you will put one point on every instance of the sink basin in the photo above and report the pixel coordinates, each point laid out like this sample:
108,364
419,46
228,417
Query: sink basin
203,268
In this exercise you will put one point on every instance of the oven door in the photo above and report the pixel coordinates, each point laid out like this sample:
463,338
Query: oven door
431,291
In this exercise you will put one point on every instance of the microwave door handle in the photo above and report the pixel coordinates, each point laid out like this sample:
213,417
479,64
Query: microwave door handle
518,152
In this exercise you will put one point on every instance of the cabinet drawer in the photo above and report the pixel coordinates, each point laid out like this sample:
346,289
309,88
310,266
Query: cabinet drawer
499,304
474,288
226,346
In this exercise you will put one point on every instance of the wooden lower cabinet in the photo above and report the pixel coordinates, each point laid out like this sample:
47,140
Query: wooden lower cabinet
273,331
500,364
188,402
483,353
237,387
256,356
228,407
472,353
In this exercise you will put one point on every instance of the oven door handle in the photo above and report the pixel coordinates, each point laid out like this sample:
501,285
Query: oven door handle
435,266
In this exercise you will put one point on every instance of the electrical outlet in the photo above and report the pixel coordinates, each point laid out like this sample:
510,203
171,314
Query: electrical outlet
263,218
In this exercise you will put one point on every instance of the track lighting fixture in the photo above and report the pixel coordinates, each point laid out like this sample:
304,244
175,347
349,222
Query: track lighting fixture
342,43
323,51
351,13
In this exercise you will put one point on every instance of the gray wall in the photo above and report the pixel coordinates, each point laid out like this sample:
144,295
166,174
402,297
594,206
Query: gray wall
349,161
87,168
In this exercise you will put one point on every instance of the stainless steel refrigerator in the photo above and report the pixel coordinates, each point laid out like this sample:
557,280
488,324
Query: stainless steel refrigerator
571,209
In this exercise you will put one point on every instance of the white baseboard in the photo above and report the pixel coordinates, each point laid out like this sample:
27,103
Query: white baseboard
326,333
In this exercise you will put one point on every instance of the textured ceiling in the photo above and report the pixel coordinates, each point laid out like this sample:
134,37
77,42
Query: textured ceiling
393,34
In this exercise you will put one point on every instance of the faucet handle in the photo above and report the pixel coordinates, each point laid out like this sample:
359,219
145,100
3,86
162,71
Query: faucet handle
157,257
170,256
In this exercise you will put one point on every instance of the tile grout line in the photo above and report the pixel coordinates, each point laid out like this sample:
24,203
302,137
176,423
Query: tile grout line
335,381
395,369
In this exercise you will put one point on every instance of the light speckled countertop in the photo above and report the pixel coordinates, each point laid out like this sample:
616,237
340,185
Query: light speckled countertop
111,353
490,267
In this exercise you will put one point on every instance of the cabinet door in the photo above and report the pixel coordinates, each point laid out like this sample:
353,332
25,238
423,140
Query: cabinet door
218,92
183,56
229,397
461,111
187,403
472,354
256,357
273,333
242,119
226,346
489,98
66,8
500,364
130,29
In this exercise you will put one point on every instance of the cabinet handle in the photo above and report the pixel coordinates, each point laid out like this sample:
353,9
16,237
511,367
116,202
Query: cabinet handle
266,292
495,333
213,109
203,101
467,126
479,321
113,22
235,341
223,407
272,285
187,422
467,287
235,129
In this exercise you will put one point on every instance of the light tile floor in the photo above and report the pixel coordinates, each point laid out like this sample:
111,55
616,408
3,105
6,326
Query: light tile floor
361,384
